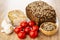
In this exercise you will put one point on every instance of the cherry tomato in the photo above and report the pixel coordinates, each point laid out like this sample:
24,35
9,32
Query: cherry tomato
17,29
23,24
27,29
31,23
35,28
21,34
33,34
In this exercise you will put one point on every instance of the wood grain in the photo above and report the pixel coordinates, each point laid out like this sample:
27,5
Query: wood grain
41,36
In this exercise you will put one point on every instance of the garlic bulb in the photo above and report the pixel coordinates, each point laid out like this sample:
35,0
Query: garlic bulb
7,27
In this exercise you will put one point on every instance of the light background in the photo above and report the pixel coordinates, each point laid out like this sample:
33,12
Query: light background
7,5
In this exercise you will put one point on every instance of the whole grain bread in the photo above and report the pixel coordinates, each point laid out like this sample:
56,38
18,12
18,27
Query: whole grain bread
40,12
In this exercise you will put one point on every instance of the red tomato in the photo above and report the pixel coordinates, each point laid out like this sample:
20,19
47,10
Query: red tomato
27,29
35,28
21,34
31,23
33,34
17,30
23,24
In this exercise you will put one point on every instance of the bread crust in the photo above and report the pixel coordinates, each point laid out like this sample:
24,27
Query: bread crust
51,32
40,12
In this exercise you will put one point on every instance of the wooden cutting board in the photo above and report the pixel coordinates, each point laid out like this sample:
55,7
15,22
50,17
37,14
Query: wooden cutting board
41,36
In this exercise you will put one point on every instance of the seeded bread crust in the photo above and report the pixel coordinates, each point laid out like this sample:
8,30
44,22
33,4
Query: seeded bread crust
40,12
50,30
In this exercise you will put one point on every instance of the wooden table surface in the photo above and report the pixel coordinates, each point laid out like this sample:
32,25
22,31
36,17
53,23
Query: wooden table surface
41,36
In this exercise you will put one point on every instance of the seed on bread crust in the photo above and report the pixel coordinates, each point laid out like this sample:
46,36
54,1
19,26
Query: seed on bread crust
40,12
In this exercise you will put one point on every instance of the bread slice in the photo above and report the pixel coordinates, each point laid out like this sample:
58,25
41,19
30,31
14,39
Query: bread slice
49,31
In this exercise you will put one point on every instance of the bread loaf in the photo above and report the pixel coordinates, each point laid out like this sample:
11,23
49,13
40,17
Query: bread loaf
16,16
40,12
